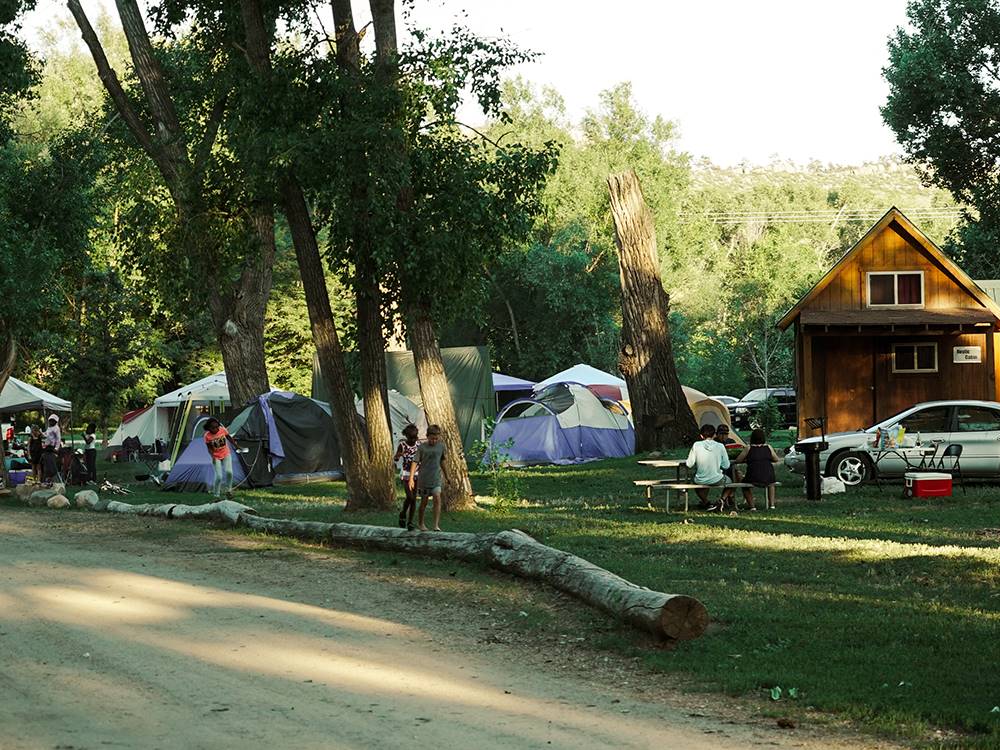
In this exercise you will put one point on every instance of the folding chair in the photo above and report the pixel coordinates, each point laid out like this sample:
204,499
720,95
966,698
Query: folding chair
954,452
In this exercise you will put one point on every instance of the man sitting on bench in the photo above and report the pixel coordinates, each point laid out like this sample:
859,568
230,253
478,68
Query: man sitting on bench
708,458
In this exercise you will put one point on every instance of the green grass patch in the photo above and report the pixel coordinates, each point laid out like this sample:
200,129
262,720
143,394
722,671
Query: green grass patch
878,608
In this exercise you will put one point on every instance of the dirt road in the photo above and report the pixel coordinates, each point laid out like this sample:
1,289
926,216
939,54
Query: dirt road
145,633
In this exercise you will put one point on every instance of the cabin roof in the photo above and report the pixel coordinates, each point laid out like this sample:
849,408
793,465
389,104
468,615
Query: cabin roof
990,300
906,317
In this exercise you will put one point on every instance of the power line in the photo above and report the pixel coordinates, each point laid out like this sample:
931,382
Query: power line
819,216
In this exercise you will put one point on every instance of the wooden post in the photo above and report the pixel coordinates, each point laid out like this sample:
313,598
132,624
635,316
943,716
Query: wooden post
660,410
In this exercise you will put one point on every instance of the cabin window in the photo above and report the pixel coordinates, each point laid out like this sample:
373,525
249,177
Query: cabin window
914,358
896,289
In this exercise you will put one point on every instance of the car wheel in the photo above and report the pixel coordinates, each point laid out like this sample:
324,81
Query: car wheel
852,468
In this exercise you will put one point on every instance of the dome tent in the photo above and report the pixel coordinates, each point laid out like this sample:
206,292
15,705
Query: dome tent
402,411
290,439
707,410
564,423
193,470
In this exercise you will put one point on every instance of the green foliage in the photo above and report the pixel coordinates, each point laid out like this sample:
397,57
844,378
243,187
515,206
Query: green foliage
768,416
943,107
563,297
117,358
495,462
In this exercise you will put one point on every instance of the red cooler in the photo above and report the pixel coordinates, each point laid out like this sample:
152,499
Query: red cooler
927,484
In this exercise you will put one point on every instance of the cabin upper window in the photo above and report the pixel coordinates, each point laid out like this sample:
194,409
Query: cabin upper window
896,289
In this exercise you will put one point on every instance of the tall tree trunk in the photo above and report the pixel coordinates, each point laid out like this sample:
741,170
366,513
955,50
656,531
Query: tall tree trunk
239,315
8,358
457,491
368,295
371,342
369,486
366,488
660,410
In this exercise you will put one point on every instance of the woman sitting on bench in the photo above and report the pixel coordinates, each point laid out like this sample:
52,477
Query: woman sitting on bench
708,458
760,459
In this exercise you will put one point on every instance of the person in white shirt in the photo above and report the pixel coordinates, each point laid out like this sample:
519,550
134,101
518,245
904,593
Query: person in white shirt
708,458
53,435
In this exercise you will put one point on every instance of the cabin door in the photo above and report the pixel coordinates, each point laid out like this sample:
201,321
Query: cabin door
850,382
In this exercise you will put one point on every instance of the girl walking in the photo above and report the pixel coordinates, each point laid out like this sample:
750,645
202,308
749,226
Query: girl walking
406,452
217,440
429,466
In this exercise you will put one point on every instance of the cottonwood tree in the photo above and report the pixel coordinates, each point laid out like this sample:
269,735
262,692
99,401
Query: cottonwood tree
944,108
661,413
460,197
221,241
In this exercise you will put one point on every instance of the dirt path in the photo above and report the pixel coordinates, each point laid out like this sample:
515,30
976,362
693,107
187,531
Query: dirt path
142,633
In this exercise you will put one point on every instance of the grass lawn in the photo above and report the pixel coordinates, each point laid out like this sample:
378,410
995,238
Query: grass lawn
880,609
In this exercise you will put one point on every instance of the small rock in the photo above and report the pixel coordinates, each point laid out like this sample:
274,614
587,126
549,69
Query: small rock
58,501
86,499
23,491
39,498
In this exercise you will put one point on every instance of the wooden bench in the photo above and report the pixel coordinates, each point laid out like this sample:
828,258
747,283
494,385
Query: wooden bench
683,487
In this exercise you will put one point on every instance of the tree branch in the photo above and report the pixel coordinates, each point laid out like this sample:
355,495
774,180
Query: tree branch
110,80
211,133
150,74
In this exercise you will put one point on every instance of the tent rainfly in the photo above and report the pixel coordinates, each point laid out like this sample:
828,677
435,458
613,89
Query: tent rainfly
18,396
290,440
602,383
149,425
213,389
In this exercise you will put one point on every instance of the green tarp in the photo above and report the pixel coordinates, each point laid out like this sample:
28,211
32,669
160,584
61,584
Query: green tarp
470,380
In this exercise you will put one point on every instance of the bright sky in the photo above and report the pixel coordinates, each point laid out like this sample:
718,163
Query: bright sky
745,79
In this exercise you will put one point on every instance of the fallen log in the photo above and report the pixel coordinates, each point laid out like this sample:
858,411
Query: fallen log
223,510
673,616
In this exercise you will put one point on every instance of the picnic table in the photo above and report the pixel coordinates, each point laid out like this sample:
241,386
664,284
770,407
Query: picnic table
667,463
682,488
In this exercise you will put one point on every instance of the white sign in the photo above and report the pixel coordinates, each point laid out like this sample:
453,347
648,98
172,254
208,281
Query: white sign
967,354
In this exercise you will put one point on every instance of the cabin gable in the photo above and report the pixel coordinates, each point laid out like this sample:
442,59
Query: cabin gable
891,250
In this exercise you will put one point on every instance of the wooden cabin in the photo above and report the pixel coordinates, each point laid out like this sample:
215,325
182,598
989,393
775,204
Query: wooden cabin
893,323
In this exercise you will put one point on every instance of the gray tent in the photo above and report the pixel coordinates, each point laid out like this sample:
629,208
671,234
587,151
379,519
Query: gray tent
469,378
291,439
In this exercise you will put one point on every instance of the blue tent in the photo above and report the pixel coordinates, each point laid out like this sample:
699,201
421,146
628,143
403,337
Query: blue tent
564,423
193,471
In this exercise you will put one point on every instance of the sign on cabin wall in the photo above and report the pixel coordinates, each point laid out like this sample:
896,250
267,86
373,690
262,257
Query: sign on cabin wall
967,354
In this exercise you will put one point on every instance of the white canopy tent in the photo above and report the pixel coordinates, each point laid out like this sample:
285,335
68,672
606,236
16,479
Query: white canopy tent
18,396
213,389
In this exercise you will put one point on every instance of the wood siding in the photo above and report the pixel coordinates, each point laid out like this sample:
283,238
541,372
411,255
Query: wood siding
891,250
854,386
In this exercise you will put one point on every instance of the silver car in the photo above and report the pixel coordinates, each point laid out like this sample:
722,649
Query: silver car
975,425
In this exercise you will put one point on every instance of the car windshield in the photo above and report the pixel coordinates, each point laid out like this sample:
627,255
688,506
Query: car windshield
927,419
758,394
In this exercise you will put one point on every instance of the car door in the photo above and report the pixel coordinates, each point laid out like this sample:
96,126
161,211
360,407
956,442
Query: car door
977,430
931,424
